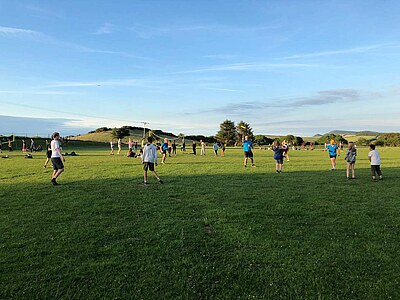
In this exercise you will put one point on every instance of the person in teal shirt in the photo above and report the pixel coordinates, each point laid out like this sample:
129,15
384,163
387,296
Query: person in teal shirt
333,151
248,153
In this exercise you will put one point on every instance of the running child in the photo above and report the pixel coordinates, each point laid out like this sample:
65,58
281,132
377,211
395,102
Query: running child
149,159
351,160
333,151
375,159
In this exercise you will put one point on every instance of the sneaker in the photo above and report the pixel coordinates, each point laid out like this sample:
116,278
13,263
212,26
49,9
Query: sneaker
145,183
277,172
347,178
160,181
253,165
381,177
44,167
373,178
54,182
245,166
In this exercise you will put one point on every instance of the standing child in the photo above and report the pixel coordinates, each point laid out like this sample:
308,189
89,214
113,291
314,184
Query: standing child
164,149
194,147
333,151
375,159
57,158
351,160
149,159
215,147
222,149
248,151
203,148
48,155
112,147
119,146
23,146
173,147
278,156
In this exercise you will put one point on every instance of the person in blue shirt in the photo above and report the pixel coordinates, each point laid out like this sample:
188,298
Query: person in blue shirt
248,153
279,153
333,151
164,149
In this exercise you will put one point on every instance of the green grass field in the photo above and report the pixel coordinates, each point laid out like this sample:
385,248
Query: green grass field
213,230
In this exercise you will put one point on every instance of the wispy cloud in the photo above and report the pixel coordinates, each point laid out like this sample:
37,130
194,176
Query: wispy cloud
108,83
43,11
354,50
321,98
150,32
106,28
224,89
29,92
252,66
11,32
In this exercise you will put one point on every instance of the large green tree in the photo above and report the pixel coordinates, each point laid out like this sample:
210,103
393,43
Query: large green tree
243,129
227,133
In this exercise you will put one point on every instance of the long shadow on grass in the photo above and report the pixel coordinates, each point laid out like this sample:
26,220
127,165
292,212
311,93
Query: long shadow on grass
280,236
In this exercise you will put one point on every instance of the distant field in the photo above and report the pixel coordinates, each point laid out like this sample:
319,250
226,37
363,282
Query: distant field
214,230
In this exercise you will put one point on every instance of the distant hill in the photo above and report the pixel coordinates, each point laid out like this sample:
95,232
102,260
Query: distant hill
104,135
342,132
357,133
317,135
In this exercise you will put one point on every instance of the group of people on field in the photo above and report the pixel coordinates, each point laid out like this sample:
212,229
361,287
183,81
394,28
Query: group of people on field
351,155
149,156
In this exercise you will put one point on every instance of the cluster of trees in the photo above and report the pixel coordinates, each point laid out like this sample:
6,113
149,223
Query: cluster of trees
389,139
326,138
230,134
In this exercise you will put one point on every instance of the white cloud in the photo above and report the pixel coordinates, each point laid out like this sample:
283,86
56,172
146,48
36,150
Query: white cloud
354,50
106,28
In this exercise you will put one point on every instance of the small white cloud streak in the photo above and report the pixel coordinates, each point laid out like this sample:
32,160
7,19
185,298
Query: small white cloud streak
354,50
19,32
28,92
10,32
262,66
147,33
109,83
106,28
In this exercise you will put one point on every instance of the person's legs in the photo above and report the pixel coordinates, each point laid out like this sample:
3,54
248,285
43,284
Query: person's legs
46,162
348,171
373,172
353,170
245,162
144,176
57,173
252,162
276,167
333,163
164,156
280,168
378,171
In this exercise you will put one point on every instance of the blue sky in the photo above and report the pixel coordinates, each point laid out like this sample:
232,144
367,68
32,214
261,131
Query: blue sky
300,67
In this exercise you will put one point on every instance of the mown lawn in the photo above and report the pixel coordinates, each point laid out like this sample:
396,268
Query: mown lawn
213,230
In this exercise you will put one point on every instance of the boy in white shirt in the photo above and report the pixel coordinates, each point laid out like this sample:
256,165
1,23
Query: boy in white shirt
57,158
375,159
149,159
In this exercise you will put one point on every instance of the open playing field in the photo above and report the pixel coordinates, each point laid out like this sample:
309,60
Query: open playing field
214,230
